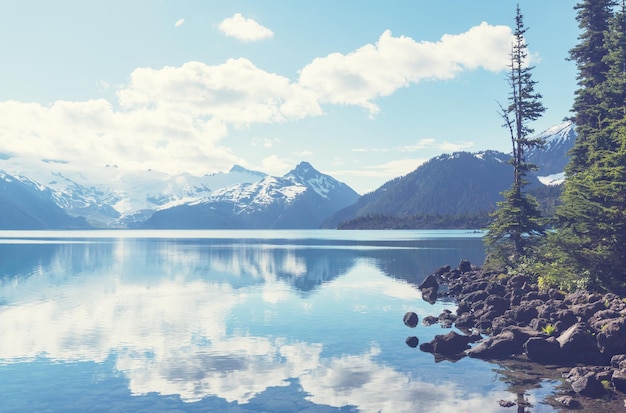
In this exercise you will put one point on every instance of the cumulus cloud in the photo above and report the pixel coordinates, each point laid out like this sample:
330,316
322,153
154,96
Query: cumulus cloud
275,165
234,92
245,29
376,70
173,118
90,131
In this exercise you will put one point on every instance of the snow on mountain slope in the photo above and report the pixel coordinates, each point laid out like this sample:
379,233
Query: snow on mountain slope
302,198
105,194
554,156
248,197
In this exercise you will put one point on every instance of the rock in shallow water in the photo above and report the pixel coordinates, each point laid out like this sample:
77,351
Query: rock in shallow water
412,341
411,319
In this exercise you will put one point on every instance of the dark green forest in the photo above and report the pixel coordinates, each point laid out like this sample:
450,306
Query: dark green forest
587,248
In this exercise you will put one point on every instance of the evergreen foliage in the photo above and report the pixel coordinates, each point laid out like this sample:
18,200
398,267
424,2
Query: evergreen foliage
426,221
517,221
590,55
589,246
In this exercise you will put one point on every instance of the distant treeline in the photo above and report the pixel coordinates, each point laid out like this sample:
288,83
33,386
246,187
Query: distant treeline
437,221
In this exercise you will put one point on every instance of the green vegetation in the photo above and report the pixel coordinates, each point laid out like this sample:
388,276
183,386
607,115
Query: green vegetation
549,329
418,221
587,248
517,222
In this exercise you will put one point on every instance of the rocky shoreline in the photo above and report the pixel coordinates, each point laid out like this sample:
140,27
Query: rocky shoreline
508,316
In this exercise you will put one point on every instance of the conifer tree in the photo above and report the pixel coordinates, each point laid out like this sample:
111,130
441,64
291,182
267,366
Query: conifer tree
590,240
516,222
593,18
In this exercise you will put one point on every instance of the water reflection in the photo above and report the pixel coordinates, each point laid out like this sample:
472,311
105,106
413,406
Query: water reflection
222,322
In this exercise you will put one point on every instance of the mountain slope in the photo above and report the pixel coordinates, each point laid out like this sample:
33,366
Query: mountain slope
108,196
553,157
464,183
26,205
448,184
302,198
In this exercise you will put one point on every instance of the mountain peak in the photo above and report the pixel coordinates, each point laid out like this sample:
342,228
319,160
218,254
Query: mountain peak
305,167
242,170
238,168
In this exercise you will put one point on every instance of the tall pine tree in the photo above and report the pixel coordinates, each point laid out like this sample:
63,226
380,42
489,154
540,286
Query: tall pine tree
590,240
517,221
593,18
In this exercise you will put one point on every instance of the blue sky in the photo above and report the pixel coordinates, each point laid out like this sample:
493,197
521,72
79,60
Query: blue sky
363,90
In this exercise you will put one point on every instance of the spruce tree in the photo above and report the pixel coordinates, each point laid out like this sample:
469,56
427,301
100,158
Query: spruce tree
590,240
593,18
517,221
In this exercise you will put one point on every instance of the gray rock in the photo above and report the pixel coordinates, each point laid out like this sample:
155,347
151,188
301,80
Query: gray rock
588,386
411,319
612,337
543,350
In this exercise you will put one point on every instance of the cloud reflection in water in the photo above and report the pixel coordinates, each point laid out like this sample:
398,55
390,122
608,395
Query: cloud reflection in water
171,314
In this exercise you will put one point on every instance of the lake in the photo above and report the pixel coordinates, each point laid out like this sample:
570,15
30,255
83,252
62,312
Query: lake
234,321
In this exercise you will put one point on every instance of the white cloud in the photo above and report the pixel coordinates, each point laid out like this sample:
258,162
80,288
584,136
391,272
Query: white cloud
179,22
244,29
264,142
274,165
385,170
173,118
235,92
92,131
376,70
426,143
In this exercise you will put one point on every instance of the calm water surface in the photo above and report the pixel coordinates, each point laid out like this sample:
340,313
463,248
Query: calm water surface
232,321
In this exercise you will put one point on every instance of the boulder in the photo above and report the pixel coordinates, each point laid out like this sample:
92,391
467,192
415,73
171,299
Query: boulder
524,313
495,288
497,347
619,361
510,341
566,318
585,311
465,266
619,380
588,386
442,270
430,294
429,282
411,319
449,344
412,341
612,337
543,350
578,345
496,304
465,321
430,320
517,281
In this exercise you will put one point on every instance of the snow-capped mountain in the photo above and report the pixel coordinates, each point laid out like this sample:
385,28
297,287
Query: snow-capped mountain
108,196
553,157
463,183
25,204
302,198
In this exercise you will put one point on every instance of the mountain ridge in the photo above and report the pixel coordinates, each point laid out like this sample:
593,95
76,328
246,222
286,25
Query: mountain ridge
108,197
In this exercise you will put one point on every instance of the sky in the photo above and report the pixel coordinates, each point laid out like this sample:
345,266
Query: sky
365,91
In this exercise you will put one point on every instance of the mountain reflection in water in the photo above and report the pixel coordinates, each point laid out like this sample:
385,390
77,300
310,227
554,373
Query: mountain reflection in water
258,320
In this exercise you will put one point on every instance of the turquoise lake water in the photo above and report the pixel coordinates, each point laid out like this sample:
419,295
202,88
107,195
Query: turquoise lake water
233,321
